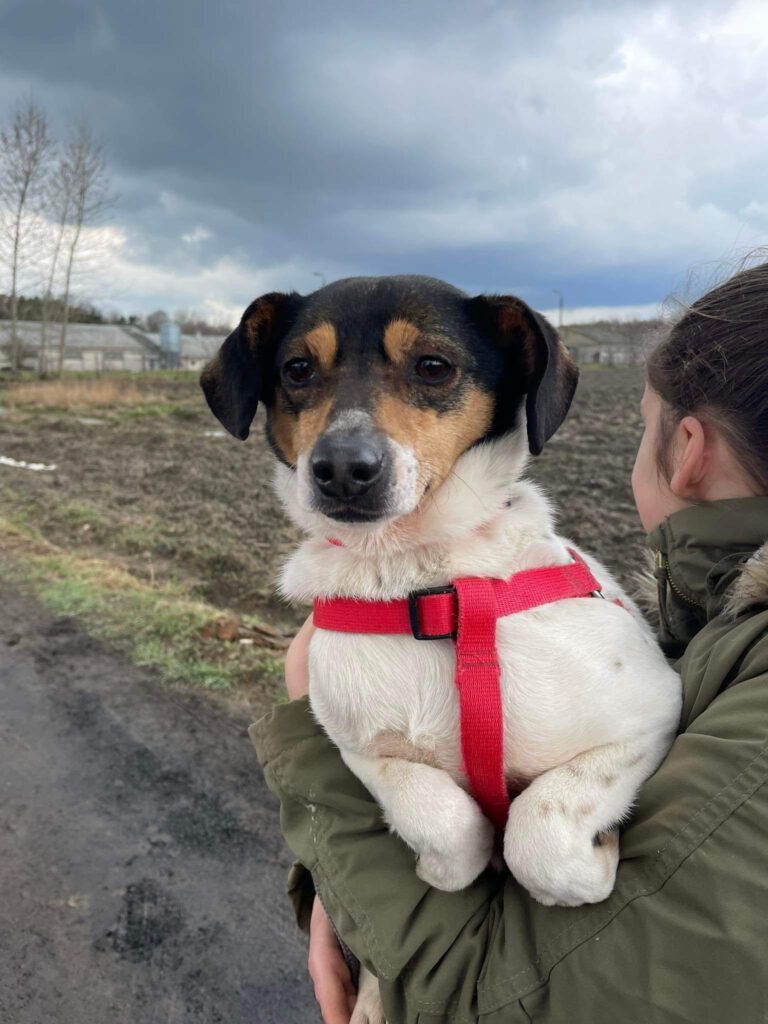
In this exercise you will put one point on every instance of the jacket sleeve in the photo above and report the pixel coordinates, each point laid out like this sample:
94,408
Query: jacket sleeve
683,905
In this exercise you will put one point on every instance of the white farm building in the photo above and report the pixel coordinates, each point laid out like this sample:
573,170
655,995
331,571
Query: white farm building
99,347
610,344
104,347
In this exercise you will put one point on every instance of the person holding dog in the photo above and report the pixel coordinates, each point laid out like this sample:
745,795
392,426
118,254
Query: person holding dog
682,937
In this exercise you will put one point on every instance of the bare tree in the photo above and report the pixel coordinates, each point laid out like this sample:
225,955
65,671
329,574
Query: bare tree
154,321
58,205
193,322
25,151
84,170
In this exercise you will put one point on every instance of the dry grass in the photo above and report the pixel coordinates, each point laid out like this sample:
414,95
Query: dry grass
185,640
75,394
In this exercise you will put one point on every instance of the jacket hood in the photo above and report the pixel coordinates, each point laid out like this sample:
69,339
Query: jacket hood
711,559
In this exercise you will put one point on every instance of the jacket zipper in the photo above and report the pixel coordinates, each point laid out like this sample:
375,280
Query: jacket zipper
662,565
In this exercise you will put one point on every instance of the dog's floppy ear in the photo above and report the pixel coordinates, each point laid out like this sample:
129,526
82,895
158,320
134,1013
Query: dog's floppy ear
552,385
534,352
241,371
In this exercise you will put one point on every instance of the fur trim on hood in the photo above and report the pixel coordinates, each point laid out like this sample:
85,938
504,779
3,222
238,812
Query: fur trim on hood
751,587
645,590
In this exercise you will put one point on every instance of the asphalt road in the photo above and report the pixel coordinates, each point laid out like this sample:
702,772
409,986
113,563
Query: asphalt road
141,867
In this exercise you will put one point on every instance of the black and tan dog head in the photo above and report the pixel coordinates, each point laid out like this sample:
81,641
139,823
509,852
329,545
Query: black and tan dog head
375,386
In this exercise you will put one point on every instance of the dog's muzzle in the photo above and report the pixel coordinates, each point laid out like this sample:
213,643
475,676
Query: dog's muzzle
350,474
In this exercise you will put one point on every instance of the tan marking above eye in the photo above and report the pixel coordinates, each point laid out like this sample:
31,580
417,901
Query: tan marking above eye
437,439
294,434
323,344
399,337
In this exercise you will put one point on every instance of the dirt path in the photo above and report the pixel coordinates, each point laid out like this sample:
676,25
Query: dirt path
141,867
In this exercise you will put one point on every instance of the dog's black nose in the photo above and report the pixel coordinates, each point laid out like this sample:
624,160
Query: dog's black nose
345,466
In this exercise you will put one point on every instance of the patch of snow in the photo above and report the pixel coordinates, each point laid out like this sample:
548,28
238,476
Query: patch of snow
37,467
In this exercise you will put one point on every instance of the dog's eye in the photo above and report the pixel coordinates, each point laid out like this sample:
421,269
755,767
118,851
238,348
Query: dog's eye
433,369
298,372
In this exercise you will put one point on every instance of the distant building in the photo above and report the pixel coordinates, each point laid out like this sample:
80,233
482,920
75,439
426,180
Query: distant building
194,350
105,347
99,347
610,344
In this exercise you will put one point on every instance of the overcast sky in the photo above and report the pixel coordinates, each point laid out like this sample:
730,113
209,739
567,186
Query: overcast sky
600,149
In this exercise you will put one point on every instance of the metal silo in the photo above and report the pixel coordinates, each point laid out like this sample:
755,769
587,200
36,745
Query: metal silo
170,344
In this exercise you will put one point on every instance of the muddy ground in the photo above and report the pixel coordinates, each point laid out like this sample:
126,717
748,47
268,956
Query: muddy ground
141,864
587,466
171,495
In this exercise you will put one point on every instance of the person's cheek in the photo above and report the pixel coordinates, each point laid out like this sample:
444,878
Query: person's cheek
640,486
636,474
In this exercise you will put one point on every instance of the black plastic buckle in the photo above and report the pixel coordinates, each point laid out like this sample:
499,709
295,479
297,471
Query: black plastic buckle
413,612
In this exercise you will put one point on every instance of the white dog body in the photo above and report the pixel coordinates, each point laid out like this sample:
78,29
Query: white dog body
401,412
590,706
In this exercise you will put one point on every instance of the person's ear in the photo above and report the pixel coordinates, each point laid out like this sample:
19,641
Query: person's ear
240,374
689,453
538,364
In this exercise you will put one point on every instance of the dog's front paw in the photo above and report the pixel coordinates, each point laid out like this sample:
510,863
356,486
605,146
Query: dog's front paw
442,871
589,879
559,861
452,859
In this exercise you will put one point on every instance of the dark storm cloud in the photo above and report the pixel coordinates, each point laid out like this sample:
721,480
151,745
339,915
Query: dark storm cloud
457,138
225,102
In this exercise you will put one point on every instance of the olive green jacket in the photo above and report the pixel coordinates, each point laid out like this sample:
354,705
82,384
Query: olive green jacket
683,937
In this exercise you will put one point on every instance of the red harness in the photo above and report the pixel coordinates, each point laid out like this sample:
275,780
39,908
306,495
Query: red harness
466,612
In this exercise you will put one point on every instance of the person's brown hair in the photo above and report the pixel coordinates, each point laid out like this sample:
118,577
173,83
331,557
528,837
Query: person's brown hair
714,365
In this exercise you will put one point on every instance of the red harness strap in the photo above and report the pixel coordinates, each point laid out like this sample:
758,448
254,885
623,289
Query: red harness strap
466,612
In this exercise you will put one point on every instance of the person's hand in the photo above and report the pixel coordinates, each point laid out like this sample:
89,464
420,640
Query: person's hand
328,970
297,662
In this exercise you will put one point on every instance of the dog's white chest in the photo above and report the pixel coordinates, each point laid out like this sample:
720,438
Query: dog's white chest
574,675
362,686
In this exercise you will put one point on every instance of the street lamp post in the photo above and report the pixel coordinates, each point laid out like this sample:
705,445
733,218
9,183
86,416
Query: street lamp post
316,273
560,306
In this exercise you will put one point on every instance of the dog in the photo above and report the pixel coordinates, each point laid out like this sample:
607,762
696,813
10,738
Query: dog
401,413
